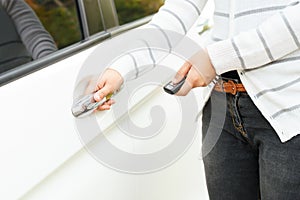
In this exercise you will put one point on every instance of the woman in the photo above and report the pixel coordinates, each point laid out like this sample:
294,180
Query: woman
255,48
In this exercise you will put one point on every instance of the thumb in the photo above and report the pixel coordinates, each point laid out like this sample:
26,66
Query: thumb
182,72
103,92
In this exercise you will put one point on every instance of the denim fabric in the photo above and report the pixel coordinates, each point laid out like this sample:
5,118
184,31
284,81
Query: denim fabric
248,160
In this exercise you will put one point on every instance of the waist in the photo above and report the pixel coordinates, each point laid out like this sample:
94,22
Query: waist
231,86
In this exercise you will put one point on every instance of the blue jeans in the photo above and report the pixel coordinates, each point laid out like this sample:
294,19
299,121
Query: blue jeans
248,161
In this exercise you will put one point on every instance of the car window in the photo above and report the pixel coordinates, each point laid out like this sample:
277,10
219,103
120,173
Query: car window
130,10
24,37
59,24
59,18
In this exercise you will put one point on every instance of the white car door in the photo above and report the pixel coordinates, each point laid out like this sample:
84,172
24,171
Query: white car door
42,154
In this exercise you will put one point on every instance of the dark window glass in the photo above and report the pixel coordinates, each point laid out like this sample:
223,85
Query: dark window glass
130,10
60,19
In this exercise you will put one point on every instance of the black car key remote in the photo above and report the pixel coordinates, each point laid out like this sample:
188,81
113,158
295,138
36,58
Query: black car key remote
172,88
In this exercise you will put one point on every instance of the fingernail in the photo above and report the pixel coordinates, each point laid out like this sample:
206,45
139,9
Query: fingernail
112,101
97,97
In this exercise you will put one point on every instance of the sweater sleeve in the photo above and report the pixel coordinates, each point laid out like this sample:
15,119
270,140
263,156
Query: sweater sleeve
274,38
174,16
34,36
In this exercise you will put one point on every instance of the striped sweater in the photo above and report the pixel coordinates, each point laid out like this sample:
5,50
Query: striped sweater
258,38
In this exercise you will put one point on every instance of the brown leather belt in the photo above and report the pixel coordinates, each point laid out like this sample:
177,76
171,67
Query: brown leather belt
229,87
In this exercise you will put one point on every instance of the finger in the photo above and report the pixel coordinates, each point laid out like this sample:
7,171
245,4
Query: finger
185,89
100,81
182,72
99,85
109,102
104,107
103,92
107,105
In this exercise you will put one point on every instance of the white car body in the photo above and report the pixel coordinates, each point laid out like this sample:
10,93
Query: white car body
42,156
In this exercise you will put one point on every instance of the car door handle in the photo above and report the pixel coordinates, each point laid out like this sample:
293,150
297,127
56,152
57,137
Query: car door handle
86,105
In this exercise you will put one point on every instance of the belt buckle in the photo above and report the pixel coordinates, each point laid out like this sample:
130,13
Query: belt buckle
233,87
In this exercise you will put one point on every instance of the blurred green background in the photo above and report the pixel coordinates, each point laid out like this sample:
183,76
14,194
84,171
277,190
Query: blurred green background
130,10
60,16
